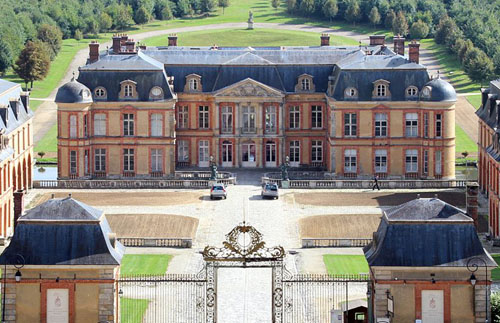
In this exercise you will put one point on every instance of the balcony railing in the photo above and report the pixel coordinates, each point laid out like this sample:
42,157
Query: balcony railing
248,130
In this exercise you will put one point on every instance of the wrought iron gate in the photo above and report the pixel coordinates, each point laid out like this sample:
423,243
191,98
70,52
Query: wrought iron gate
193,298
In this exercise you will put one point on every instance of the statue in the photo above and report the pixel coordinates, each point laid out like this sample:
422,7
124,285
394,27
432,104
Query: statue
213,169
284,169
250,19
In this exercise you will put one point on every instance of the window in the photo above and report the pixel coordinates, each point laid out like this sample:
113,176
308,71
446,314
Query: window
99,124
411,125
350,125
128,90
317,117
72,126
128,160
203,153
227,119
350,157
381,90
439,125
306,84
411,92
128,124
317,151
426,92
350,93
271,119
426,162
294,117
193,84
248,119
426,125
380,161
183,151
438,161
100,160
86,161
380,124
85,126
72,162
156,125
182,117
156,160
270,152
411,161
156,93
100,92
295,151
203,117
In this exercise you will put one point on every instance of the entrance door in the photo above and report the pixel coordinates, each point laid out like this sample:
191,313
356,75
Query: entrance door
270,154
203,155
227,154
432,306
248,155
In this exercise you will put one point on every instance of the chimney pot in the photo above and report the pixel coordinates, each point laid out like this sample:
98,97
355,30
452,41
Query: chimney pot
172,40
93,52
325,40
69,195
53,196
414,52
116,44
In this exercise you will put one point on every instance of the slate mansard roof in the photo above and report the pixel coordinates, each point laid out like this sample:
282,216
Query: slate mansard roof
489,111
277,67
425,232
63,232
12,91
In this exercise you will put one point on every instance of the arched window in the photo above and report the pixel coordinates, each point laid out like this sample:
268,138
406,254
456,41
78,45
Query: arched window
350,93
128,90
306,84
100,92
193,84
381,90
411,91
156,93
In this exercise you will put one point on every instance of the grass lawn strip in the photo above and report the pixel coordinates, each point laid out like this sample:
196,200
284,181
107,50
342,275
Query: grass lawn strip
49,142
463,142
34,104
132,310
475,100
144,264
346,264
495,273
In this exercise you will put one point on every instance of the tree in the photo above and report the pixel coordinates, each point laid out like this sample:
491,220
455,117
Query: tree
496,63
275,4
166,13
5,57
33,63
400,26
495,307
463,52
444,29
307,7
353,12
478,65
142,16
223,4
183,8
105,22
389,19
78,34
290,5
208,5
121,15
419,30
52,36
374,16
330,9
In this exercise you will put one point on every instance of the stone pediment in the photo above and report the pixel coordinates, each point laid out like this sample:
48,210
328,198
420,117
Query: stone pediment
249,87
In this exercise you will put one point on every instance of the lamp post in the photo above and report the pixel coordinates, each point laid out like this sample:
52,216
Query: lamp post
472,267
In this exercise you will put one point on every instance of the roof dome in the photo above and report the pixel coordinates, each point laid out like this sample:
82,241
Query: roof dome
438,90
73,92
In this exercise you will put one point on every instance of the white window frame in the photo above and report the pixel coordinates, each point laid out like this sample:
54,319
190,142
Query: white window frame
350,124
270,119
439,125
99,124
183,151
100,92
227,119
128,91
193,84
412,92
203,117
99,160
249,119
316,117
73,162
438,161
156,124
411,161
350,93
203,151
381,125
350,161
270,152
183,117
426,124
411,125
157,160
128,124
306,84
73,126
294,115
426,162
128,160
294,152
380,161
316,151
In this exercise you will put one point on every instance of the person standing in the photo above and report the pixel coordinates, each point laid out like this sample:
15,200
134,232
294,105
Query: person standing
375,185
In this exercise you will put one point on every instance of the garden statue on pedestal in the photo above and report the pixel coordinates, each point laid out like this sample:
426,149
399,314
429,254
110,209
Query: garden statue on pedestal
213,169
284,169
250,19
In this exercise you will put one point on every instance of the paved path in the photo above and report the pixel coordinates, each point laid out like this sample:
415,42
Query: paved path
45,116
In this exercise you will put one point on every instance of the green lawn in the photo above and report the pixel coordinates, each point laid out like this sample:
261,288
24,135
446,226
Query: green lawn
452,67
346,264
245,37
463,141
475,100
34,104
495,274
145,264
132,310
49,142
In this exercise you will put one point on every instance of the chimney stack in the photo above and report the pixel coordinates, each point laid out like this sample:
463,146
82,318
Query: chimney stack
116,44
14,105
325,40
25,99
123,39
376,40
130,45
172,40
18,205
93,51
414,51
399,45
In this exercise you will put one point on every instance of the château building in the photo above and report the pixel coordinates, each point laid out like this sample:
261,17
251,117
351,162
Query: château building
489,151
354,111
16,153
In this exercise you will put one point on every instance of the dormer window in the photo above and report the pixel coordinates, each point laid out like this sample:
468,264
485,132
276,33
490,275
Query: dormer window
128,90
100,93
305,83
156,93
381,89
412,92
426,92
350,93
193,83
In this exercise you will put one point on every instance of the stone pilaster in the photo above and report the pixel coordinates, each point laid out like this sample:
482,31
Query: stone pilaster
107,297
